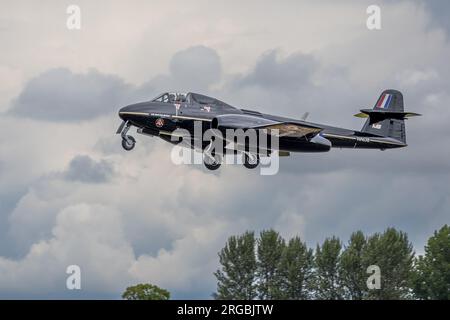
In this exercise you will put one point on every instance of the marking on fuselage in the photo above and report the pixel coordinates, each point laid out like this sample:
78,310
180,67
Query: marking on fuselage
177,108
134,113
376,126
191,118
159,122
206,108
361,139
325,135
165,115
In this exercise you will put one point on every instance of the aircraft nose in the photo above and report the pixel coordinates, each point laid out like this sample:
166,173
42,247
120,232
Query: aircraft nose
123,111
135,110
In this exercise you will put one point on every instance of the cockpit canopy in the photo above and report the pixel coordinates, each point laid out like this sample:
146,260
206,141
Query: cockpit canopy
171,97
191,98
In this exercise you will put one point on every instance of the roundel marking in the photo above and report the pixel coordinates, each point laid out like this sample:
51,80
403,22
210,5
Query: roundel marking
159,122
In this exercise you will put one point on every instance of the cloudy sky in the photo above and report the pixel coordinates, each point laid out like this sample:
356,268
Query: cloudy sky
70,195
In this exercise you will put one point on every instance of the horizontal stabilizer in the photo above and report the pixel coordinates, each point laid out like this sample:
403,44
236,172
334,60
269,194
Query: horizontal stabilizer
377,115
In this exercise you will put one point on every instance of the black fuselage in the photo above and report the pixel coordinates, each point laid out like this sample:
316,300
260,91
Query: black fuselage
162,118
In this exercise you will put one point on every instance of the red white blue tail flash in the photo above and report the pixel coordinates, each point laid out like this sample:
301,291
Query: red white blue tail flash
384,101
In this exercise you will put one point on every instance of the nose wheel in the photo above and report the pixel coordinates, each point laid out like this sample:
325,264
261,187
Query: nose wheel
128,142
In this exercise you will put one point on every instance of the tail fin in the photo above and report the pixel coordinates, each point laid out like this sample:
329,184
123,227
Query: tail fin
387,118
391,100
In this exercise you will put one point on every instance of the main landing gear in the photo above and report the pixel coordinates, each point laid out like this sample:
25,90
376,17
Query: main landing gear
251,160
128,142
212,162
211,159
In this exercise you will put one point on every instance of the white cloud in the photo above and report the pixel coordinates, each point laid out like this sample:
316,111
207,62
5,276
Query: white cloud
90,236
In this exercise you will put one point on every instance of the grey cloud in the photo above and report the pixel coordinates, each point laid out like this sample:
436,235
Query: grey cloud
84,169
8,200
293,85
440,10
61,95
197,64
193,69
290,73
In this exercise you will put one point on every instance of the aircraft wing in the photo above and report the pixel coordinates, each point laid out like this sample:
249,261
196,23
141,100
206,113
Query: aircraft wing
278,128
291,130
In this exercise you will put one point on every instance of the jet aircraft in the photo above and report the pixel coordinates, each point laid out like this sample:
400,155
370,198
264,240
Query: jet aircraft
384,127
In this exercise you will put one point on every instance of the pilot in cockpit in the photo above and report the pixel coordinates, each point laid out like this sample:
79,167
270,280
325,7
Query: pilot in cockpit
176,97
181,97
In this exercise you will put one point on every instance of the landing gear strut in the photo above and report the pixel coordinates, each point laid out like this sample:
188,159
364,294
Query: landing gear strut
128,142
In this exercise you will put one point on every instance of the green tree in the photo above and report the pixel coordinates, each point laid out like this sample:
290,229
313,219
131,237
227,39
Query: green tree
327,284
296,270
352,271
270,250
392,252
431,278
145,292
236,278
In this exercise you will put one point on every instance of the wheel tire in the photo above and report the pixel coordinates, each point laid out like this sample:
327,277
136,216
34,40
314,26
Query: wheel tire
128,143
251,163
210,164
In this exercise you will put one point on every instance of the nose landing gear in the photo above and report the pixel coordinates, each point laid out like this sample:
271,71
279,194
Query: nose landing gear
128,142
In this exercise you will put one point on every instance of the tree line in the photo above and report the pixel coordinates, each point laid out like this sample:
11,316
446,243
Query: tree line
270,267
